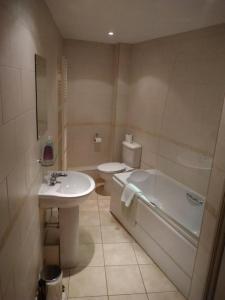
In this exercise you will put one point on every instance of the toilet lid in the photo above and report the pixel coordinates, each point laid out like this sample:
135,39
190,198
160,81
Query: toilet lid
113,167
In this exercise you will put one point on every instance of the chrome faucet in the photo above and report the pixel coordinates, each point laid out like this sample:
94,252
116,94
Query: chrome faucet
53,177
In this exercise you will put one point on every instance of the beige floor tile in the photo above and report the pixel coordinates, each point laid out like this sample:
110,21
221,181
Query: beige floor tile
115,234
142,257
90,234
104,197
93,196
124,280
91,298
91,255
89,205
119,254
129,297
88,282
104,204
89,218
107,219
155,280
166,296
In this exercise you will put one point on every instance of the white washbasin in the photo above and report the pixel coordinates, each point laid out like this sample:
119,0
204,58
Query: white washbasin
69,192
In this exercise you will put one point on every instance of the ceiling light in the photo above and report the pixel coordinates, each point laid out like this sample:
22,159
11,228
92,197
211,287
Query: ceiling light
111,33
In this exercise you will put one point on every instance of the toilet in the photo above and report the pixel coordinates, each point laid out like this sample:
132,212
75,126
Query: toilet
131,156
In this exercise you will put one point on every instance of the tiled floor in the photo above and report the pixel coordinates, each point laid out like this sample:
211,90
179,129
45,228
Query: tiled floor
112,266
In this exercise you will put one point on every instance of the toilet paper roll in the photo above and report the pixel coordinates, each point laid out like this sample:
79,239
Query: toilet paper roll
129,138
97,140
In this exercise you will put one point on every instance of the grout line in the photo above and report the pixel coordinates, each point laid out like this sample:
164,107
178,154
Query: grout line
107,289
114,265
140,270
91,297
69,284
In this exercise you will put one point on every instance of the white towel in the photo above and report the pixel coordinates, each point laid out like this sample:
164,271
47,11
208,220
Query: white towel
129,193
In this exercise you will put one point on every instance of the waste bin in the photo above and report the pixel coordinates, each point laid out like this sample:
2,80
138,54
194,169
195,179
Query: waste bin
50,283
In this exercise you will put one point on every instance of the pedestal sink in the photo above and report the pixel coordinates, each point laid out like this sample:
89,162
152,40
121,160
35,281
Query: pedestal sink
67,194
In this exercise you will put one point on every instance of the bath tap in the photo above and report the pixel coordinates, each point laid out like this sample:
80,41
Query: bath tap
53,177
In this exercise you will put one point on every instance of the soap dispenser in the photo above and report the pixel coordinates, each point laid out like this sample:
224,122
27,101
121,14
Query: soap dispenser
48,153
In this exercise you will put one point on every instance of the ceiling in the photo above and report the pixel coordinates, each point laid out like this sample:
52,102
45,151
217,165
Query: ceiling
133,21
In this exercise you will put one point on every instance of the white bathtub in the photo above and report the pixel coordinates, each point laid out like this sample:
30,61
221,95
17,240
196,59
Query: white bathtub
165,219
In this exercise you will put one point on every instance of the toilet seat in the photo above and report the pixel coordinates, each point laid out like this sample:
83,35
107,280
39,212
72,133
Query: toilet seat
112,167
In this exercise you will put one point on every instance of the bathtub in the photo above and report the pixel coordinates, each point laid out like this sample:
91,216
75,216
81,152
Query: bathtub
165,218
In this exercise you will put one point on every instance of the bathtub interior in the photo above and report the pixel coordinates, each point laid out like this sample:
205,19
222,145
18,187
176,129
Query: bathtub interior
171,198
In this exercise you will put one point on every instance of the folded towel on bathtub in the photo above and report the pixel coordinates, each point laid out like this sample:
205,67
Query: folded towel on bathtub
129,192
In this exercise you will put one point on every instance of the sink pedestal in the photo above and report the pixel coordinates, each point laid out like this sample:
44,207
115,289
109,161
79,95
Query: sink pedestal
67,194
69,236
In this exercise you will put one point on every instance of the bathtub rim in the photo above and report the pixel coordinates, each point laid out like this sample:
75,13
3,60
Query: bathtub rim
190,236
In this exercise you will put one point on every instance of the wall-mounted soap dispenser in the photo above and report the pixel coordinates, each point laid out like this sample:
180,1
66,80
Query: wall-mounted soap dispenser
47,153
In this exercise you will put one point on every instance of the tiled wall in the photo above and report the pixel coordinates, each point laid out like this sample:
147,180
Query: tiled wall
26,28
167,92
214,202
121,98
176,96
90,101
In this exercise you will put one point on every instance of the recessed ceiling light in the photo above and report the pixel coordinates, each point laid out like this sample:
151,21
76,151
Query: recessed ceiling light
111,33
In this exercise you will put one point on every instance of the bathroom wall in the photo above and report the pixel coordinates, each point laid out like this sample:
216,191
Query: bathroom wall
176,96
90,102
212,212
26,28
121,98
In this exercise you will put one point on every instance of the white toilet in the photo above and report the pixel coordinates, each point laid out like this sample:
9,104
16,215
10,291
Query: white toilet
131,156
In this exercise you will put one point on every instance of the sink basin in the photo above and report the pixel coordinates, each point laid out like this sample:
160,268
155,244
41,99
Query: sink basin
69,192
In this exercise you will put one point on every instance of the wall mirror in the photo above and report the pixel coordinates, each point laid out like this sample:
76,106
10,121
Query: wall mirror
41,95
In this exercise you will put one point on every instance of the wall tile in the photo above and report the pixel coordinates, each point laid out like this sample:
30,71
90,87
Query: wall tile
32,165
86,107
17,189
198,181
220,147
26,135
216,190
8,254
121,108
10,292
5,47
150,144
24,269
28,90
209,226
23,46
185,125
197,289
90,100
1,112
121,99
82,151
7,149
4,208
119,134
10,83
146,105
